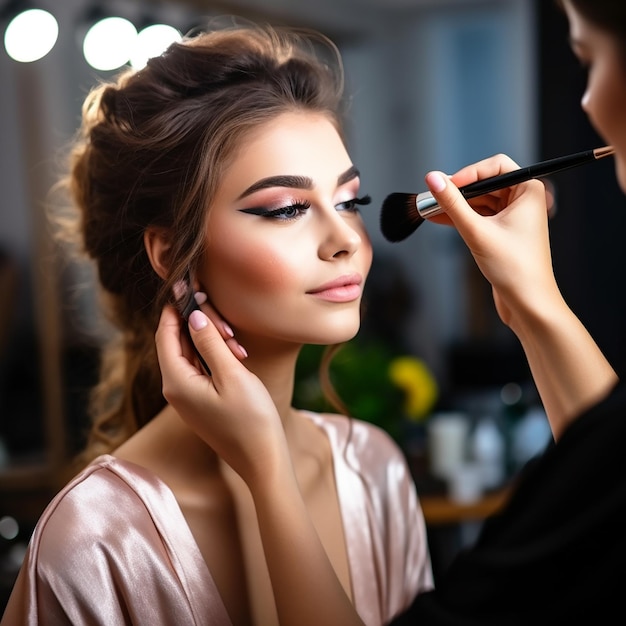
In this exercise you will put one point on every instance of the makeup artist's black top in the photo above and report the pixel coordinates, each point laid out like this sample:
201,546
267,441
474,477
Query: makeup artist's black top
556,554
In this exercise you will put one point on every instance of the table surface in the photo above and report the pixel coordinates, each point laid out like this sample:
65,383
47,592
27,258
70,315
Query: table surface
440,509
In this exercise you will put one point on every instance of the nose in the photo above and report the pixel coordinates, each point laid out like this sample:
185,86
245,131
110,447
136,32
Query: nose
339,236
584,101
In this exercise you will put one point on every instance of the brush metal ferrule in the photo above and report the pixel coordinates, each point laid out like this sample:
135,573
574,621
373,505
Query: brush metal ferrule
427,205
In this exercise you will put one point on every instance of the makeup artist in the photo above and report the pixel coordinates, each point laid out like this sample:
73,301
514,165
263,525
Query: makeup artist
557,552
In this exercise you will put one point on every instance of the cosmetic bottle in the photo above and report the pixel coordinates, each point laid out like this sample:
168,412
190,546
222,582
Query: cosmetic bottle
488,449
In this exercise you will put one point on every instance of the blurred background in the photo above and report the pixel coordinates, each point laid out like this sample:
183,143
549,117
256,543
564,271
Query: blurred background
432,84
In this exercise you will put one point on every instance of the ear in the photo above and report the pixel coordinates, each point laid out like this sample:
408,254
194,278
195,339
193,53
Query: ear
157,243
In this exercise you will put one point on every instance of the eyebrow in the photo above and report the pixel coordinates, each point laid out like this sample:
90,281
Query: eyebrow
295,182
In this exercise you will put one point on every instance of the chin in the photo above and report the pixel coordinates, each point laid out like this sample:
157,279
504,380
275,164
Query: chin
346,336
338,334
621,175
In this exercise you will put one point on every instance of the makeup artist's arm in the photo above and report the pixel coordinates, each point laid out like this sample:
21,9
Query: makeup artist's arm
507,233
233,412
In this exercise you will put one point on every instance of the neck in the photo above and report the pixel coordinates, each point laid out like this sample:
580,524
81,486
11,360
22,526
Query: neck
274,362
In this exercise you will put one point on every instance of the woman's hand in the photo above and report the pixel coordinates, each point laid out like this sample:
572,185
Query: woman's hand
225,330
231,410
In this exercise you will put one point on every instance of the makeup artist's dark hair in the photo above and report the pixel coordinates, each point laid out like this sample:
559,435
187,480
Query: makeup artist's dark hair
150,153
610,15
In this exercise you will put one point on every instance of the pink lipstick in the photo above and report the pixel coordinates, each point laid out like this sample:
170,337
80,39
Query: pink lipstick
343,289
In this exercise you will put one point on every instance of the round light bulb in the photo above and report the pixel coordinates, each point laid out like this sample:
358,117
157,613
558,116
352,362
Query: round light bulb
109,43
31,35
153,41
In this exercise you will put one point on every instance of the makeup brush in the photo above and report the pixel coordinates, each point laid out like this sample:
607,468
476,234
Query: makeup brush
403,213
185,302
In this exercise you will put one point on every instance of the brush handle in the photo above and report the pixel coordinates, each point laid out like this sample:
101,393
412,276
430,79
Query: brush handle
427,206
544,168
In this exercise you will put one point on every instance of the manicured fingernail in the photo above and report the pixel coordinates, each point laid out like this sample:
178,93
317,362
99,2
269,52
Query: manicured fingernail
436,181
242,351
200,297
198,320
227,329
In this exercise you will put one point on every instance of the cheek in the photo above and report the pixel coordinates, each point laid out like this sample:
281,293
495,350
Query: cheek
366,252
237,271
259,268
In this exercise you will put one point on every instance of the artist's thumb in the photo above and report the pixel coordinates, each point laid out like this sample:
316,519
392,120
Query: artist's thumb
449,198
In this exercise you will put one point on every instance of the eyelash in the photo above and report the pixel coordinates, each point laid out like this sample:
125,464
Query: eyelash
302,206
356,202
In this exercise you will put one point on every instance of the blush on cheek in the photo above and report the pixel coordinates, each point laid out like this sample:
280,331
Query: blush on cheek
237,269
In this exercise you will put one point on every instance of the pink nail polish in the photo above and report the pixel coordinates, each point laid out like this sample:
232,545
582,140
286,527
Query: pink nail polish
436,181
198,320
200,297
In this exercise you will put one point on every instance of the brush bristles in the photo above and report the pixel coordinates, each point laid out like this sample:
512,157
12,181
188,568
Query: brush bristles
399,216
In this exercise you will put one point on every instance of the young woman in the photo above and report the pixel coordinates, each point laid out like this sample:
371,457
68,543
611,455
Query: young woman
222,164
556,553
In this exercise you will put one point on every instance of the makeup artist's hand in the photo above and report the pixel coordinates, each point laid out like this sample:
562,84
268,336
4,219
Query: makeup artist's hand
506,232
231,410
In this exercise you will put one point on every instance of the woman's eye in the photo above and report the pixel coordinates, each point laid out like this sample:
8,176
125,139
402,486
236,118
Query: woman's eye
290,212
584,61
353,205
297,209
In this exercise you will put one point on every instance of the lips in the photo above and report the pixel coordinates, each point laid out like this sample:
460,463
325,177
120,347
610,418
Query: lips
343,289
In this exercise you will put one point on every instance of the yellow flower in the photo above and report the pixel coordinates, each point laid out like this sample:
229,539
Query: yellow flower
415,379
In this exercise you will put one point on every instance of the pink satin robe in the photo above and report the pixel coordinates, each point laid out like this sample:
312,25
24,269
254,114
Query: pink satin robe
114,548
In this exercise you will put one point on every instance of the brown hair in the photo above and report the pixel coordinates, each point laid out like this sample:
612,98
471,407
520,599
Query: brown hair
150,153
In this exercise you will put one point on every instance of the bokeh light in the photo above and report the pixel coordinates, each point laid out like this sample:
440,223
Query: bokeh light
151,42
31,35
9,528
109,43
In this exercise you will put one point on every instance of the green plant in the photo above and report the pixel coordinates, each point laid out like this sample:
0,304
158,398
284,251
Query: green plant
375,384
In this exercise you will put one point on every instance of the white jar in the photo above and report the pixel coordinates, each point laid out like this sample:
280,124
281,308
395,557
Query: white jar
488,449
447,442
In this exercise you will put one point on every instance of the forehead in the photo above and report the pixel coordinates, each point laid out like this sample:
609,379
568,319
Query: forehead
583,30
303,143
588,37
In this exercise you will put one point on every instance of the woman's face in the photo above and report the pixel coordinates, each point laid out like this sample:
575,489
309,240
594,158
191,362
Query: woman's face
287,251
604,99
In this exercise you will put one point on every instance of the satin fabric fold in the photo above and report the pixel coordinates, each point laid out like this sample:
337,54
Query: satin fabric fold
113,547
